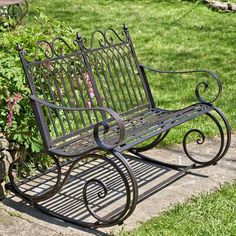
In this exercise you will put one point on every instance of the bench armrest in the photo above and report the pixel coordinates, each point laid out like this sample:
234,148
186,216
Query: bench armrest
104,123
197,89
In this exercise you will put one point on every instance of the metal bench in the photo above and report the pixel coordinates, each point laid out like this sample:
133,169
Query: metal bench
97,116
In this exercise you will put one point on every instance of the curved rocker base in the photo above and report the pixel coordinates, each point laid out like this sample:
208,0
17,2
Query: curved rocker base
225,140
104,205
92,191
101,190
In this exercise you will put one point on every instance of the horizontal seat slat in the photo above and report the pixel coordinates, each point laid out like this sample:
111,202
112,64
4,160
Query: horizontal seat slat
87,130
138,128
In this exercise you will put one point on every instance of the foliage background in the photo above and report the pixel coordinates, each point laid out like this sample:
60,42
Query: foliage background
23,128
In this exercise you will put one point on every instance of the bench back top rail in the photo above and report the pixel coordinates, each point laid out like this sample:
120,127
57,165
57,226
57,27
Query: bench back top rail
104,74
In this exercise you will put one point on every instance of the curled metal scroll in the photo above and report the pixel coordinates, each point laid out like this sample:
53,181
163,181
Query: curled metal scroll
56,48
20,169
104,38
200,85
225,139
101,143
114,117
59,47
103,193
223,145
120,166
48,50
205,86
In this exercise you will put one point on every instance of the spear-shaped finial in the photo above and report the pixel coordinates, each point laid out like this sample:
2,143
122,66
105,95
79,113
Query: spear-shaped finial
78,37
125,27
18,47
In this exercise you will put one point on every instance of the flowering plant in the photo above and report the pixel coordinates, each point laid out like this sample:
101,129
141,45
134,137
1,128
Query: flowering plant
17,121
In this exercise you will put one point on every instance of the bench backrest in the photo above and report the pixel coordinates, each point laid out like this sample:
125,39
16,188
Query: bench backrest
105,74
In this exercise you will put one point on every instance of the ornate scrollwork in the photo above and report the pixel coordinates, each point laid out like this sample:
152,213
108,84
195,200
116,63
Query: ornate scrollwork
45,50
104,38
104,191
61,47
225,139
19,171
201,139
99,187
200,85
101,194
205,86
114,117
56,48
106,126
93,189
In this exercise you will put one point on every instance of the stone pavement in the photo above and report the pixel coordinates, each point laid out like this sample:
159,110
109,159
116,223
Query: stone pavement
17,218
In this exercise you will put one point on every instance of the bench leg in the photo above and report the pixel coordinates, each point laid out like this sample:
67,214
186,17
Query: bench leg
19,174
221,123
97,180
224,139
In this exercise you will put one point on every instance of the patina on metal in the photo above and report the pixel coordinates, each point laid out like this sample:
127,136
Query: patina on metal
93,105
13,9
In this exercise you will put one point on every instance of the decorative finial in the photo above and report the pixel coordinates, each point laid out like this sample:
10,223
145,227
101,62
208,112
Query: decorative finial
18,47
78,37
125,27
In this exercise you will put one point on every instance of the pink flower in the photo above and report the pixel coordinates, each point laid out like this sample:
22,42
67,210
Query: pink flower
10,114
86,76
16,99
91,95
89,104
9,118
11,105
89,85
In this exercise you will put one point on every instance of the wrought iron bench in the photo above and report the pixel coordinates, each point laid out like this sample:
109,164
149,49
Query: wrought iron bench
96,115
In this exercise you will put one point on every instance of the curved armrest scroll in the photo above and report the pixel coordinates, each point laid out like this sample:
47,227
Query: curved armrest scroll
197,89
104,123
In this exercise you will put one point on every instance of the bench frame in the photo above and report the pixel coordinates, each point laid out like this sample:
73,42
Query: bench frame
108,151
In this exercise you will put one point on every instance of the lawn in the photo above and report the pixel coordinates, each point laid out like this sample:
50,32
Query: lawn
169,35
206,215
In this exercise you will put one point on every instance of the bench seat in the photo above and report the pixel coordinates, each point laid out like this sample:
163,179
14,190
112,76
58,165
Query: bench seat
141,126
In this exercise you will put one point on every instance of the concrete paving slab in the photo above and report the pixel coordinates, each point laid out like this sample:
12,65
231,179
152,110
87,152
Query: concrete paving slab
18,218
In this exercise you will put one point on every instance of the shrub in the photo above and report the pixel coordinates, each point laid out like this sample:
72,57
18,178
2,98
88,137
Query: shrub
17,121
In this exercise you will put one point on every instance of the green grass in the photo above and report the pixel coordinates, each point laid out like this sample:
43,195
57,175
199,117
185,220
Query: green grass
206,215
169,35
231,1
